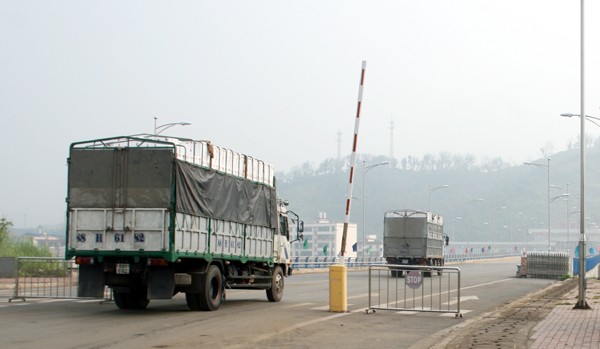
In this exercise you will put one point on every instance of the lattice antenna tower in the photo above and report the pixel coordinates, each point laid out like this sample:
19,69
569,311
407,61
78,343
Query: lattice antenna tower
339,145
392,127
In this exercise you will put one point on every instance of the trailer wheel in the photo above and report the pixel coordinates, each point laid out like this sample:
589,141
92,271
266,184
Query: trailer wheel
136,299
211,296
275,293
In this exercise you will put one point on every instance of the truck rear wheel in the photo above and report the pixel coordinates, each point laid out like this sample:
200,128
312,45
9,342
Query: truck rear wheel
211,296
135,299
275,293
396,273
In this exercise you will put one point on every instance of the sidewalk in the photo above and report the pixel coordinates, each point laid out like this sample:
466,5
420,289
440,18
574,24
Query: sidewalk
566,327
544,319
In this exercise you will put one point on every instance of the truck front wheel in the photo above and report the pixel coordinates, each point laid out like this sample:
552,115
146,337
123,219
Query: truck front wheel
275,293
211,291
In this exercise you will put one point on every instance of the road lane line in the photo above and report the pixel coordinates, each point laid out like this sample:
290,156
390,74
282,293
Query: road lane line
384,305
361,295
326,307
297,305
290,328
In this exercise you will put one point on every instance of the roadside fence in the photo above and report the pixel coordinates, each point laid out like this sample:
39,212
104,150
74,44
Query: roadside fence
326,262
414,288
359,262
46,277
461,257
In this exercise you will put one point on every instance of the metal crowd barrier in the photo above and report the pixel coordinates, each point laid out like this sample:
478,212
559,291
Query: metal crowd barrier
548,265
414,288
46,277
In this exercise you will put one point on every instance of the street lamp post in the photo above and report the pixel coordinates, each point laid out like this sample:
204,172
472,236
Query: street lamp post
434,189
510,213
453,221
581,302
559,197
161,128
364,199
567,195
547,168
468,237
568,232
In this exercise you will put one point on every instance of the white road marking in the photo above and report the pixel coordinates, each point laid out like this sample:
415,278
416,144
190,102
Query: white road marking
57,300
462,299
297,305
91,301
454,314
326,307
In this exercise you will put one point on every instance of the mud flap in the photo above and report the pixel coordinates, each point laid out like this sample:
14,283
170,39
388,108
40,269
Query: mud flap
161,283
91,281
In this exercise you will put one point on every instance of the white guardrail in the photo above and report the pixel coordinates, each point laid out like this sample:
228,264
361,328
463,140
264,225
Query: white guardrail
358,262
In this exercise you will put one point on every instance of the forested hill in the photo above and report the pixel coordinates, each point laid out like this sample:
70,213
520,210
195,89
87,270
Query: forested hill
512,195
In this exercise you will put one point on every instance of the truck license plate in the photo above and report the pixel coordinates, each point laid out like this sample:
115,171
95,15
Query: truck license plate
122,268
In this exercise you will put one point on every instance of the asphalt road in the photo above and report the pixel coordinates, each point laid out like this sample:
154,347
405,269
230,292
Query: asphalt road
247,320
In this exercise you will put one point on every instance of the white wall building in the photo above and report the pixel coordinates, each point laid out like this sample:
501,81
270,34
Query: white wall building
324,239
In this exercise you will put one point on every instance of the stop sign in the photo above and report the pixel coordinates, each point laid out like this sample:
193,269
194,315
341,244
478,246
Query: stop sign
414,279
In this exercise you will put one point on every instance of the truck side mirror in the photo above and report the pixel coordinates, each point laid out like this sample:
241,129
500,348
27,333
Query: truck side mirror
300,226
447,240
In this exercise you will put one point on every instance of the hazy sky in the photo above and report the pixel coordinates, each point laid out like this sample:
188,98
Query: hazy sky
279,79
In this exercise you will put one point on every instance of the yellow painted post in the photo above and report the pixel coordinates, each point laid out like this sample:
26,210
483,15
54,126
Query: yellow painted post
338,297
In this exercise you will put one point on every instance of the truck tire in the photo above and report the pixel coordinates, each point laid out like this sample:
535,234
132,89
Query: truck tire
211,296
275,293
396,273
428,274
136,299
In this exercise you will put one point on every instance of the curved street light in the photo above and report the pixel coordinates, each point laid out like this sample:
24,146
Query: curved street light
469,201
567,195
434,189
161,128
547,168
364,199
587,117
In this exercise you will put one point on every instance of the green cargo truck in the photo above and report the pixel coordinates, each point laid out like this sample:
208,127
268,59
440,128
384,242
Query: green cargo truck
150,216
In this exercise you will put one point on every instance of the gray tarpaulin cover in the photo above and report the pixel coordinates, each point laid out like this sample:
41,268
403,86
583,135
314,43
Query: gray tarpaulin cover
142,178
208,193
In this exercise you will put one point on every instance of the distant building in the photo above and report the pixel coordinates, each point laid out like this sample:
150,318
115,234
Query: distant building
323,238
55,244
373,247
